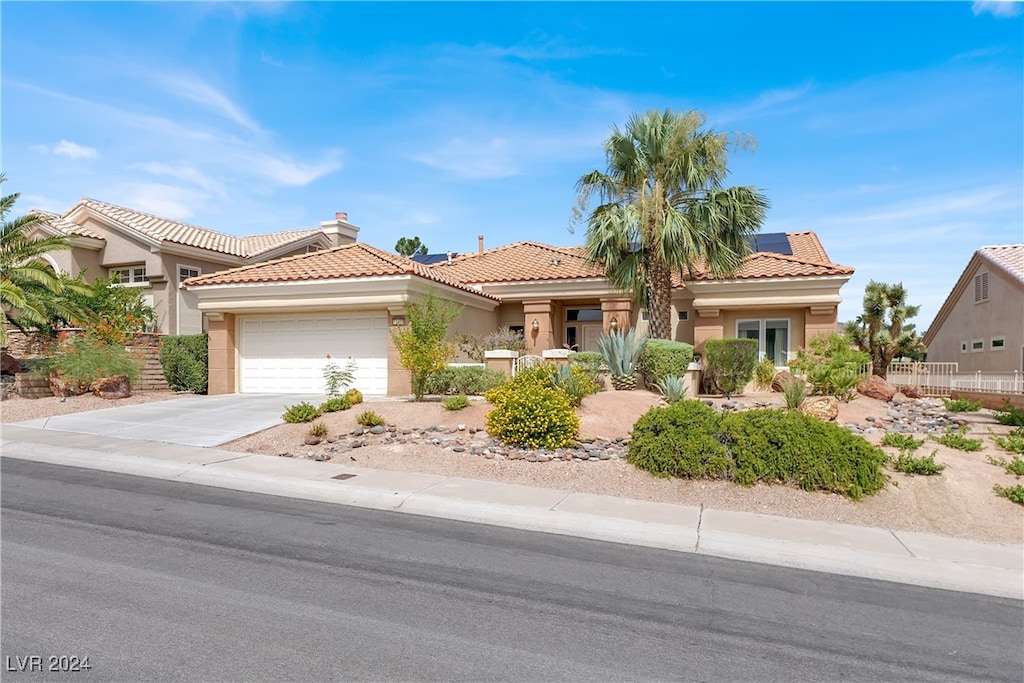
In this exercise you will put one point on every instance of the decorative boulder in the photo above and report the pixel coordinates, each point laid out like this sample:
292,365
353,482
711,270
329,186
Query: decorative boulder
822,407
782,378
9,365
66,387
877,388
912,392
113,387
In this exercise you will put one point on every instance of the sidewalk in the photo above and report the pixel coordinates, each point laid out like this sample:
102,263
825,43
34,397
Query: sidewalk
901,556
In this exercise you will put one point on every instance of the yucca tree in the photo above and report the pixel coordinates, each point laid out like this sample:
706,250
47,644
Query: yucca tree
31,294
882,329
663,208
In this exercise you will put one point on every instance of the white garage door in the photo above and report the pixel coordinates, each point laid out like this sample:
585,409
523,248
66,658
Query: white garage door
287,353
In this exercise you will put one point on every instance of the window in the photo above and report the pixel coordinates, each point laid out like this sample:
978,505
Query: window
129,275
977,345
518,329
312,248
644,315
772,338
963,347
684,315
998,343
572,339
584,314
185,272
980,287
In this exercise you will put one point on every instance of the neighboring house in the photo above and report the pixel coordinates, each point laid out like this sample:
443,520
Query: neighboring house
157,254
274,325
981,324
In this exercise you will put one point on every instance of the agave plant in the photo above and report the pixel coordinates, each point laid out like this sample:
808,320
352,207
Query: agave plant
621,352
672,387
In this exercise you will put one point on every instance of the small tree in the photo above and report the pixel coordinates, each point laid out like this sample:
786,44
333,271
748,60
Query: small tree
882,329
730,363
409,247
423,345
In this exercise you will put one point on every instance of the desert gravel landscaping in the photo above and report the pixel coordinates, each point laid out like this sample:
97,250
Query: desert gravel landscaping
959,502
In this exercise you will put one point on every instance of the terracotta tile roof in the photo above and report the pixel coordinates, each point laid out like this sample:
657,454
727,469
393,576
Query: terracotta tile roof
64,226
1006,257
347,261
807,247
164,229
768,265
522,261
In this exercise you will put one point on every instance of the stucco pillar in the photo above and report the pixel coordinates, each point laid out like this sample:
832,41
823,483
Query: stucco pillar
501,360
223,351
543,337
710,324
619,308
556,356
399,379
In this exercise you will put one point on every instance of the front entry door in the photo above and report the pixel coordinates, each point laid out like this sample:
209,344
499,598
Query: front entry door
590,336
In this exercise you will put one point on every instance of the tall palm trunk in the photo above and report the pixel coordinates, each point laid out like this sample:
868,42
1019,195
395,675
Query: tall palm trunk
659,299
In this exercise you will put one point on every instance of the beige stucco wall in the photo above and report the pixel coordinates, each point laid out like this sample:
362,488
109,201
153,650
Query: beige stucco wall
223,351
1002,315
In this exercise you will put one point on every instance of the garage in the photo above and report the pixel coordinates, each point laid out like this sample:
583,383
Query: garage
287,353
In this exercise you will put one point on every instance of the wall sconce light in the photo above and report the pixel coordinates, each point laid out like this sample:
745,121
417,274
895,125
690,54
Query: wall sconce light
398,320
614,324
535,326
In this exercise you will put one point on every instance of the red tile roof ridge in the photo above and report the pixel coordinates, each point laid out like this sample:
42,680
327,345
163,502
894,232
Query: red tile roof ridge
467,255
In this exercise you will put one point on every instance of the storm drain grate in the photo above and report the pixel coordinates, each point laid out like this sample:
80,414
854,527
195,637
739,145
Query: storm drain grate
343,476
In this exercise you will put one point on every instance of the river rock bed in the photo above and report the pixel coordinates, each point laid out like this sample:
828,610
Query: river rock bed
910,416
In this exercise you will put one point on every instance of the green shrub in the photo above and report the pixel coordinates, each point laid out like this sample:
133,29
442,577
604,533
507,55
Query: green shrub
184,362
592,363
689,439
831,366
794,390
333,405
1014,493
530,411
673,388
660,358
87,358
422,343
318,428
730,363
962,405
368,418
1013,466
456,402
904,442
764,374
1009,415
469,380
680,441
958,439
905,462
354,397
1012,442
337,379
300,412
573,381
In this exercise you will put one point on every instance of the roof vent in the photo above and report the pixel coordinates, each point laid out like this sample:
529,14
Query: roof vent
555,261
449,255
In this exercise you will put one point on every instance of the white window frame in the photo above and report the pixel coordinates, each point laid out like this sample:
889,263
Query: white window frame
1002,343
761,326
131,271
977,350
182,266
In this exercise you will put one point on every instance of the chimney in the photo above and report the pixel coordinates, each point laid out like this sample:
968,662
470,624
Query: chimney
340,231
480,244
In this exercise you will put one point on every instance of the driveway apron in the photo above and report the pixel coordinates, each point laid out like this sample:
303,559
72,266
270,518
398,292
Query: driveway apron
189,420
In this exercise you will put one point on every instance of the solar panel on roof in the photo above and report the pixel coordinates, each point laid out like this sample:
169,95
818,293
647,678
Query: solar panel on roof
774,242
430,259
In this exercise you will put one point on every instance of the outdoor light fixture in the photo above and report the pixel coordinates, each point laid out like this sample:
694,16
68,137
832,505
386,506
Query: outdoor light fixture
398,320
536,325
614,324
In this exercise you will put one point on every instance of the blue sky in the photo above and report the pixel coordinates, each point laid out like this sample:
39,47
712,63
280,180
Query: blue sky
893,130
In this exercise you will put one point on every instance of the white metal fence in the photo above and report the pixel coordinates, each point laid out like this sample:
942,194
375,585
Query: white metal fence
939,379
526,362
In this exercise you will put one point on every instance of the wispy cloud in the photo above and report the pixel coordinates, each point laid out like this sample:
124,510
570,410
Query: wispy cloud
267,59
66,148
196,90
769,102
540,47
286,171
169,201
184,172
479,160
1004,9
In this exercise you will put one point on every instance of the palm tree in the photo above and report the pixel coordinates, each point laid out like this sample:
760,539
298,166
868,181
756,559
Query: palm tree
882,329
664,208
30,292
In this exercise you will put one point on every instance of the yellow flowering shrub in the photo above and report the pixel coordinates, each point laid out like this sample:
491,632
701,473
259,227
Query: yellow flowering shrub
530,411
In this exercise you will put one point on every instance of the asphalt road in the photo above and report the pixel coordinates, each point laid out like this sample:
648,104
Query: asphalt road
156,580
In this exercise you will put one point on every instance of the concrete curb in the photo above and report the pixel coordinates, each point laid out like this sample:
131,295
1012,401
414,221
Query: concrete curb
900,556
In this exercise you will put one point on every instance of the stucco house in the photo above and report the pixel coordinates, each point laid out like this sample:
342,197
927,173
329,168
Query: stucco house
274,325
158,254
981,324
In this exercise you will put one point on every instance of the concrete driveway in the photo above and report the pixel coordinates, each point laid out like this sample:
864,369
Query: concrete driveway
189,420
